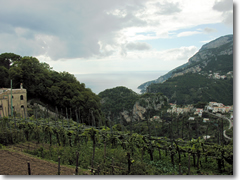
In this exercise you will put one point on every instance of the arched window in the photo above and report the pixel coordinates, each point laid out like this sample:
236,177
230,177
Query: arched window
22,106
21,97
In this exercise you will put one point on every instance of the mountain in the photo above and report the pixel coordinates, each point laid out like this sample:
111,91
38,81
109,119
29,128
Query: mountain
203,61
160,79
207,76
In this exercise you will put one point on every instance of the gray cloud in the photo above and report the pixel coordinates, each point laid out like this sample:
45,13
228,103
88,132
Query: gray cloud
209,30
168,8
139,46
228,18
223,5
226,7
63,29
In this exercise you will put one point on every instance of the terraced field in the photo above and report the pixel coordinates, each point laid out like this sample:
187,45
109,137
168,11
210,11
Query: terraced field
14,162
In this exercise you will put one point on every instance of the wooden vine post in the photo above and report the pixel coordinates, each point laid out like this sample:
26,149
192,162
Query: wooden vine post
180,171
112,166
129,162
197,131
182,126
198,158
98,170
58,165
92,133
67,117
179,154
104,160
172,155
62,117
105,144
189,162
189,131
29,168
76,170
159,153
194,160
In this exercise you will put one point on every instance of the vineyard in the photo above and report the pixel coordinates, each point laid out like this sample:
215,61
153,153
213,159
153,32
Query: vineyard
118,151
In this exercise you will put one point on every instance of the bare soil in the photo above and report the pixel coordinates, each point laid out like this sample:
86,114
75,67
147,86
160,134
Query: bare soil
15,163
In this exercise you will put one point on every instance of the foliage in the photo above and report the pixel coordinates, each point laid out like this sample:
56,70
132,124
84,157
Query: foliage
119,145
57,89
229,132
191,88
117,99
120,99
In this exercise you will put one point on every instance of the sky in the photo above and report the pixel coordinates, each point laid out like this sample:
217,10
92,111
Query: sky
109,43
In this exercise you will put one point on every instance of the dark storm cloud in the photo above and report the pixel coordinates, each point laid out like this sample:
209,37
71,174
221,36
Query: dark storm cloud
63,29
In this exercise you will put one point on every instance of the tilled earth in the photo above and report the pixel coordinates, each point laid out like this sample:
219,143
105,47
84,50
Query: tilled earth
14,163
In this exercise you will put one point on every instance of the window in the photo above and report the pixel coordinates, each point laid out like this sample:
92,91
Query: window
21,97
22,106
0,107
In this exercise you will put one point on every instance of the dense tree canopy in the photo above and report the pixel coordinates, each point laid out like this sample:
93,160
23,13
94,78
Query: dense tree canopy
117,99
57,89
6,59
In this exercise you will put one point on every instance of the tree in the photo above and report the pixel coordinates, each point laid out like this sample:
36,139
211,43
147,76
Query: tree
6,59
4,77
60,89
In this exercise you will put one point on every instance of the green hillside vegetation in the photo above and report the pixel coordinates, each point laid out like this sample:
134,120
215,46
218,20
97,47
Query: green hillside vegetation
223,65
117,99
192,88
163,78
55,89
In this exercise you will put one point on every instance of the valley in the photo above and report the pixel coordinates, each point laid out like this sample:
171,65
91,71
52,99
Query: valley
181,124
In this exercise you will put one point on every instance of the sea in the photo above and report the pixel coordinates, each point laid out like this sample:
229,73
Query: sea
99,82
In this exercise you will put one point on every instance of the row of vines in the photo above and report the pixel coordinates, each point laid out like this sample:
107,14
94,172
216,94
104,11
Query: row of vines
108,151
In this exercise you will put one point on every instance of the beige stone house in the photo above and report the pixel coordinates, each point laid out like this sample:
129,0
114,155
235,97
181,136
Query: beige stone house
19,101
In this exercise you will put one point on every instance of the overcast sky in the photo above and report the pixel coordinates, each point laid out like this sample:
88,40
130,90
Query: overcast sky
94,37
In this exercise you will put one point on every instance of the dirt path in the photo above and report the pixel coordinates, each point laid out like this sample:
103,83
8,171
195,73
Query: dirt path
15,163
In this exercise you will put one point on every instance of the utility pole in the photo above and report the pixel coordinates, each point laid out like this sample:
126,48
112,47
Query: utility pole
11,101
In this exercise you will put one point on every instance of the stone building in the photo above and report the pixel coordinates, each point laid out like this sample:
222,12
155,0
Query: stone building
19,101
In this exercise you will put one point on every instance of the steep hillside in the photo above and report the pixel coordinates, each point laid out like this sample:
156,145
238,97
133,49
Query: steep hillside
117,99
191,88
208,76
54,89
214,57
161,79
123,103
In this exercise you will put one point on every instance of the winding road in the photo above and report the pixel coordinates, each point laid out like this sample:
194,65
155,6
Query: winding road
223,117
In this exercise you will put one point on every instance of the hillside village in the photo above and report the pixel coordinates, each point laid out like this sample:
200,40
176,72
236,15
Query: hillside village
218,76
213,107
